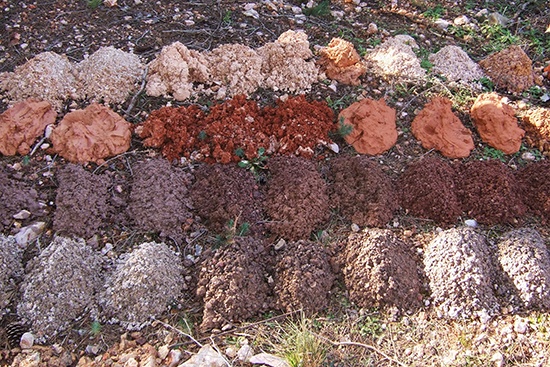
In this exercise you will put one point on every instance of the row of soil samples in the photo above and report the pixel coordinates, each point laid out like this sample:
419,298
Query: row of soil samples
290,199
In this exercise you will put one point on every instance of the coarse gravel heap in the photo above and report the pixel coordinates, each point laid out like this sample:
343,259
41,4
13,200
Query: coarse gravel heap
461,274
142,286
526,261
11,267
60,286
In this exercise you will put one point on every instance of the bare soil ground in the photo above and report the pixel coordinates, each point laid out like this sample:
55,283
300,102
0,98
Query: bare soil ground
334,331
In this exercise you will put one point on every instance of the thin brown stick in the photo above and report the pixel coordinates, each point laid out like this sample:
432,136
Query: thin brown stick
366,346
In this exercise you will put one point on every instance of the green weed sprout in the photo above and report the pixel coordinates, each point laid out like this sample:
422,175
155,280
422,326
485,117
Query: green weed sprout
344,129
255,165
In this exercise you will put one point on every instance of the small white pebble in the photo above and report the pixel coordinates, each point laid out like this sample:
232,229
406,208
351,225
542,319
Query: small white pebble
27,341
471,223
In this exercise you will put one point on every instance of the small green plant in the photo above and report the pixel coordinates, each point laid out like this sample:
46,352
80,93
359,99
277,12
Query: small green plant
255,165
370,326
95,328
435,12
302,348
232,230
343,128
487,84
322,9
492,153
373,42
534,92
25,160
426,64
202,135
227,17
461,32
94,4
499,36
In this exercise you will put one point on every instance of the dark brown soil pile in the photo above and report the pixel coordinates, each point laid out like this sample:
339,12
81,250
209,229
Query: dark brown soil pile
82,202
427,190
297,199
233,283
304,277
159,200
16,196
489,192
361,191
534,182
294,126
380,271
224,193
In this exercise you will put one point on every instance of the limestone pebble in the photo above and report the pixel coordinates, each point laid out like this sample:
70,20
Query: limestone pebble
60,286
526,261
235,68
142,286
11,268
109,75
461,274
380,271
47,76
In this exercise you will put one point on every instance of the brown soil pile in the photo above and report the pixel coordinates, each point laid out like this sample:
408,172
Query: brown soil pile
294,126
304,277
16,196
427,189
233,283
297,199
489,192
380,271
535,188
361,191
224,193
82,202
159,200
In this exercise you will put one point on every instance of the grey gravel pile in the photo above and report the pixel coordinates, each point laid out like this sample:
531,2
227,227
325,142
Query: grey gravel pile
10,266
142,285
525,259
60,286
461,274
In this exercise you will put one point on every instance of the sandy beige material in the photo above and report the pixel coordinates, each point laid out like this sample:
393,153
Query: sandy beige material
342,62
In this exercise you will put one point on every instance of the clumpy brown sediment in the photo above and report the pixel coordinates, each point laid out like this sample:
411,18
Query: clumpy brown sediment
159,200
297,198
233,283
427,189
361,191
82,202
225,193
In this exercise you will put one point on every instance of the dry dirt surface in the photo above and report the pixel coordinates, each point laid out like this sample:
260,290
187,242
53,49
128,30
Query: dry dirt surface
221,198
